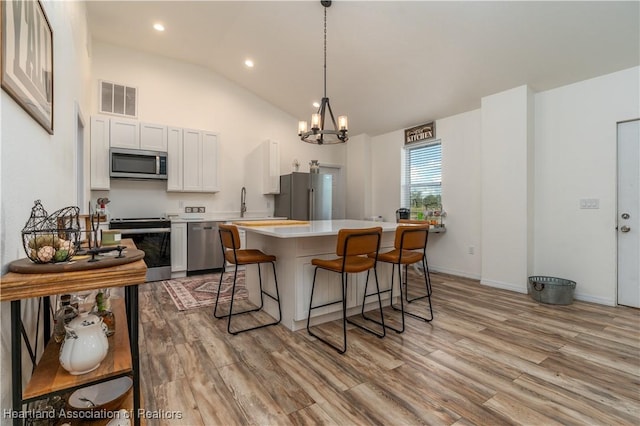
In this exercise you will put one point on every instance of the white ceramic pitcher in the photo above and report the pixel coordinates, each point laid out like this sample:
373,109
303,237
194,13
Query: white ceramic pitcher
85,345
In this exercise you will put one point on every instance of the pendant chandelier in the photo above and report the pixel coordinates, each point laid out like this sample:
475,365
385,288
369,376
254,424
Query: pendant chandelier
318,134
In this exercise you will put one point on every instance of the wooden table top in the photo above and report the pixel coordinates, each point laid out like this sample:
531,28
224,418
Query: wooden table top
15,286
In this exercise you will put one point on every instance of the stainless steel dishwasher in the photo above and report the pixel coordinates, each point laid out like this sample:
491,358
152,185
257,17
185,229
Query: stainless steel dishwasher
204,252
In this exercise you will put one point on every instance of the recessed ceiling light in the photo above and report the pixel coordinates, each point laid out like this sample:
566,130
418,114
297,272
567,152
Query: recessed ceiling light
248,63
158,27
316,104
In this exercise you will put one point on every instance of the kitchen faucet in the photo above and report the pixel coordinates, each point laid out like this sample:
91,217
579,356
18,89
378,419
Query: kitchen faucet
243,199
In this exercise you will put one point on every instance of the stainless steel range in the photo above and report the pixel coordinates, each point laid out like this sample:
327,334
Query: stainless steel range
153,236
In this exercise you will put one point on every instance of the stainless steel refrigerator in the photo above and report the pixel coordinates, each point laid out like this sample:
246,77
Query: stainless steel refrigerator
304,196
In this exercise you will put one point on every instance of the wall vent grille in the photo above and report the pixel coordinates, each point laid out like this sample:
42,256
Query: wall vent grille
118,99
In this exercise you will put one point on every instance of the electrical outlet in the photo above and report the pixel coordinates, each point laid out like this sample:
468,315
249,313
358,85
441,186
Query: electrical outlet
187,209
201,209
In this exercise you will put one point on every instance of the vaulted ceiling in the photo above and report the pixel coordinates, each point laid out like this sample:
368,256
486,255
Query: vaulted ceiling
390,64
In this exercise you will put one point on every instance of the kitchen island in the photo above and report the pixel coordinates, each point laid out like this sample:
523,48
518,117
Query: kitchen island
295,246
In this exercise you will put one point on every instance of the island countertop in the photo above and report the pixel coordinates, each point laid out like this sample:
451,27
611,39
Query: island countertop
317,228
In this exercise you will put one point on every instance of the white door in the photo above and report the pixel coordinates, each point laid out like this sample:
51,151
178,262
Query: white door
338,196
629,213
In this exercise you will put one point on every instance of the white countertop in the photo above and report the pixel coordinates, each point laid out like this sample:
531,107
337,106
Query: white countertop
213,218
317,228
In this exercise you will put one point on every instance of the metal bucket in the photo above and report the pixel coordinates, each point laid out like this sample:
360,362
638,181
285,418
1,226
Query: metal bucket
552,290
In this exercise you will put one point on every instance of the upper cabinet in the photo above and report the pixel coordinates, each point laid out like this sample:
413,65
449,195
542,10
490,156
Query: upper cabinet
192,155
174,159
100,153
124,133
271,167
199,162
135,135
153,137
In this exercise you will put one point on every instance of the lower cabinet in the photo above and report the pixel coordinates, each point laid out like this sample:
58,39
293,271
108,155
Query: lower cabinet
328,288
178,250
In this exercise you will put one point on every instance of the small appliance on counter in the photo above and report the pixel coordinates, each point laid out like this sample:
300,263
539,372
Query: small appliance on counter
403,213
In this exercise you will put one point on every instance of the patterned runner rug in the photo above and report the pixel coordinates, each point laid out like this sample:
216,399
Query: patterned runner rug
197,291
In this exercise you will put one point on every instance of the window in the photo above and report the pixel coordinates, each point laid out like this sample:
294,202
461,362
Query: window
422,180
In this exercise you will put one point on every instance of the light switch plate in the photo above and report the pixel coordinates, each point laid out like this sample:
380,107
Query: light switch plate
589,203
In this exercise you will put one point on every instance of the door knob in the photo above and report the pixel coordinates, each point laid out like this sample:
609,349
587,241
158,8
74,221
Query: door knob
625,229
625,215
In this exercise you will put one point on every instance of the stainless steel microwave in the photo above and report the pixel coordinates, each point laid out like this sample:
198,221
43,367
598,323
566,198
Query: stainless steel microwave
137,164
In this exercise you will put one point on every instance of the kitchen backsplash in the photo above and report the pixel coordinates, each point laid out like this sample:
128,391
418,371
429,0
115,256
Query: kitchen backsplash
130,198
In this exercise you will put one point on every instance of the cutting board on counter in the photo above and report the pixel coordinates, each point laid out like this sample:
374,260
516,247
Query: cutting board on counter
275,222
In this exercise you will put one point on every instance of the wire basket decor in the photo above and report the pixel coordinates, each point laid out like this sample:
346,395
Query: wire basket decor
51,238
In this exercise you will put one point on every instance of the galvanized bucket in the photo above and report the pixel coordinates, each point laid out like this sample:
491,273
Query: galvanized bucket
552,290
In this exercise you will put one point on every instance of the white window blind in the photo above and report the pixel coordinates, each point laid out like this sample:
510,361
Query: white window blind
422,183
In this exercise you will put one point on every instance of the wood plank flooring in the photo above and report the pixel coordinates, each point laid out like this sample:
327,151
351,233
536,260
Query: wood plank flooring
490,357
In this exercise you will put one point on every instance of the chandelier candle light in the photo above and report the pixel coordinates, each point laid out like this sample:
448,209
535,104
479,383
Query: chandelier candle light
318,134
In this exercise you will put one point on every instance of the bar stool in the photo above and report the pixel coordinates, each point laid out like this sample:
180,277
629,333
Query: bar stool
230,241
357,251
426,262
408,239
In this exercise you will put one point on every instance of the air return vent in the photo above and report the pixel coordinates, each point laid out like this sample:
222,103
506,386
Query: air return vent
118,99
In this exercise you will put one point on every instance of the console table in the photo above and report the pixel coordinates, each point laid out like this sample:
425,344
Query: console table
48,377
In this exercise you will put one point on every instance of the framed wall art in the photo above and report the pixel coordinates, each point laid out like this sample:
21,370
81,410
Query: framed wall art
27,58
420,133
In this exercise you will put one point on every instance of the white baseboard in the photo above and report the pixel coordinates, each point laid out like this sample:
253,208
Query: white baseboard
518,289
592,299
504,286
454,272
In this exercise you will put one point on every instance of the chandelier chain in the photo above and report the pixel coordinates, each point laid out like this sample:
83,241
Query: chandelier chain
325,52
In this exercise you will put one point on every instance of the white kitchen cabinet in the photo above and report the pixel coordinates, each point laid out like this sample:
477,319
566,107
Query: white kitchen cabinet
100,153
174,159
200,161
209,162
178,249
271,167
124,133
153,137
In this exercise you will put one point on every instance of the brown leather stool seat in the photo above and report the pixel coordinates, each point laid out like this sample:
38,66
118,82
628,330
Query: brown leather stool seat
356,250
230,241
410,247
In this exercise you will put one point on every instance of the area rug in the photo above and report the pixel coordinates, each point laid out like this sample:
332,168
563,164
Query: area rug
197,291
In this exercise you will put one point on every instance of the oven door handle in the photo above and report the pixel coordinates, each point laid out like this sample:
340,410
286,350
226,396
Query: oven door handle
144,231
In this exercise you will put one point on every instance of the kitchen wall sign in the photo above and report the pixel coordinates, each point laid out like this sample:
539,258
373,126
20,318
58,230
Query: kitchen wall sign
420,133
27,58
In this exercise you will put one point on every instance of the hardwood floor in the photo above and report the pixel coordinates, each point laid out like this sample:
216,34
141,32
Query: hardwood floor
490,357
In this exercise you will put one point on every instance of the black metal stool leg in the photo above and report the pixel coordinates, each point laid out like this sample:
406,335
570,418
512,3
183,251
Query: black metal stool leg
381,322
379,292
342,349
428,296
262,293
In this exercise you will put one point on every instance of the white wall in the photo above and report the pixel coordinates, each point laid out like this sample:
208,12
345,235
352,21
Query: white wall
460,137
461,195
36,165
576,158
504,161
573,156
359,177
184,95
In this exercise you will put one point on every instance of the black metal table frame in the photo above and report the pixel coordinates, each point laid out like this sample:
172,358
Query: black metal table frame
18,331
